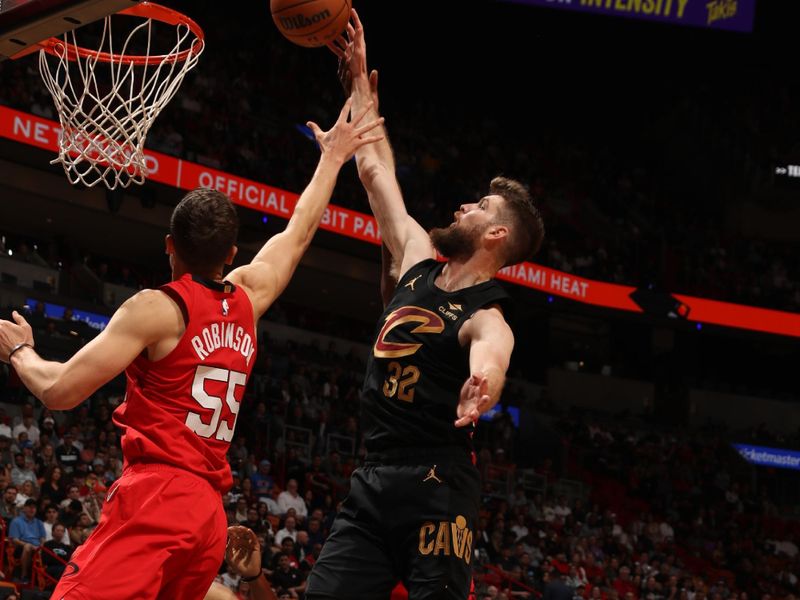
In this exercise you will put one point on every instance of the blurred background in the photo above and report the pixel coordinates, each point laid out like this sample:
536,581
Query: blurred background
660,154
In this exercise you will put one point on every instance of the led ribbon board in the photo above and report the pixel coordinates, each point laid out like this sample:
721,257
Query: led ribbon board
42,133
733,15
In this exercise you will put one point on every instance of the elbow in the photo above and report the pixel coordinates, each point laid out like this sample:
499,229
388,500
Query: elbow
370,171
55,397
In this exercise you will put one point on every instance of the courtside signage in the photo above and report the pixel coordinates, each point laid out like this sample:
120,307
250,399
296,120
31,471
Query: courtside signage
56,311
733,15
769,457
182,174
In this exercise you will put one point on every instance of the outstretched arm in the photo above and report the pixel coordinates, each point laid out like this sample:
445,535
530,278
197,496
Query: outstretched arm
490,343
407,241
269,272
389,275
147,319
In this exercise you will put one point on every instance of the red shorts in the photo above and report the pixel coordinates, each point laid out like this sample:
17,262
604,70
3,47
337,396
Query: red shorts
162,535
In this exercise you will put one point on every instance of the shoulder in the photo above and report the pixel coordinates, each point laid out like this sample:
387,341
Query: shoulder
145,300
416,269
491,315
149,305
148,316
487,320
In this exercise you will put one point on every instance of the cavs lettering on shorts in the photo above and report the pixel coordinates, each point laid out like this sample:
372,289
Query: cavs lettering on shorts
446,539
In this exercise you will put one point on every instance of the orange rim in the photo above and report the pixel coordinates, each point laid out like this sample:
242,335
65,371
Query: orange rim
145,10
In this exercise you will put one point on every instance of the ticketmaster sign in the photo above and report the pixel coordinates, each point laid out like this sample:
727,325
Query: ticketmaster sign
735,15
769,457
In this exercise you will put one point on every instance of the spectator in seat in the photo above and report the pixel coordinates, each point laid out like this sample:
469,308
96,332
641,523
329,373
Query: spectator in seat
48,427
287,577
50,520
241,510
289,498
557,589
253,521
315,533
73,493
263,482
56,545
29,426
6,455
247,490
519,528
289,530
45,459
624,584
8,508
26,533
70,513
303,546
21,472
290,549
26,492
68,454
82,529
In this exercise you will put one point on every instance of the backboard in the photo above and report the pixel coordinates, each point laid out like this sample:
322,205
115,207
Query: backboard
24,23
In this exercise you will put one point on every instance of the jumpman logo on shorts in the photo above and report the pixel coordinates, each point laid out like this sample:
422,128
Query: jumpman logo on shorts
432,475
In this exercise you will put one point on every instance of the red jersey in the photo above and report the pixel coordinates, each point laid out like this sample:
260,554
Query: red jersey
181,410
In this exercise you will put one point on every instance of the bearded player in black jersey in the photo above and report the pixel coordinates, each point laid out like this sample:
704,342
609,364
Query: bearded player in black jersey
438,362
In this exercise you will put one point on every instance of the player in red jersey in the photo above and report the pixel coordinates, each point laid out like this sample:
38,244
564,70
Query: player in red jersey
188,349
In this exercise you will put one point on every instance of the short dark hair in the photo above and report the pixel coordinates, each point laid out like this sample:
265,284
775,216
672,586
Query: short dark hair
31,502
526,225
204,227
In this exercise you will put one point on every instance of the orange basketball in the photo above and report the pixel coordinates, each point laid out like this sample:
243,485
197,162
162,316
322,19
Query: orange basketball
310,23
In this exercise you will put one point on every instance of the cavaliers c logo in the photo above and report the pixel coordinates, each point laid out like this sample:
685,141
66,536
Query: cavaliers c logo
429,322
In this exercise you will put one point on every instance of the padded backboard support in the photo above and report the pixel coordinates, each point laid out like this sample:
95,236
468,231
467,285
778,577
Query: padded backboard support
24,23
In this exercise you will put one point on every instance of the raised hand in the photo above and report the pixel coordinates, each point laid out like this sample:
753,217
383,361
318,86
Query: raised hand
352,52
473,401
14,334
345,137
243,552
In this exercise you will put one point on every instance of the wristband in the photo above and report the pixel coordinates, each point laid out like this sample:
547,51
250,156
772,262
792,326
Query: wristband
253,578
17,348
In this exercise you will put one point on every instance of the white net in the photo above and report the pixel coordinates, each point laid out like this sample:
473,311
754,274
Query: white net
108,98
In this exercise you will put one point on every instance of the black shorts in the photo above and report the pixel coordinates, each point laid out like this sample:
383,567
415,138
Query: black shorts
403,520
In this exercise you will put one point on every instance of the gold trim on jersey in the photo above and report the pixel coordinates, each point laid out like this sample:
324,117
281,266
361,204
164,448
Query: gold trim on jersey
429,321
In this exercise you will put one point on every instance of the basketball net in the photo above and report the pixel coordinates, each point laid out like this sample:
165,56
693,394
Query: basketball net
107,99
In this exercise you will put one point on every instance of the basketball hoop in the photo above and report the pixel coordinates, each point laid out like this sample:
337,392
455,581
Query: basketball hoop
106,111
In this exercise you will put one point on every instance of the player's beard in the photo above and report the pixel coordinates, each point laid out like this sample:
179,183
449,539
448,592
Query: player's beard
455,242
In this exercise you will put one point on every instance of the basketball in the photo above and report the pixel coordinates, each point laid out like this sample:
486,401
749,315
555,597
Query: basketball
310,23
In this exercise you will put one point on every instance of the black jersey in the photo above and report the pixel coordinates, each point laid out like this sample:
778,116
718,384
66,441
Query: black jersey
417,367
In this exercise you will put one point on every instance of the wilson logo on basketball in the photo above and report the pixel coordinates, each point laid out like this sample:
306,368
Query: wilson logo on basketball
301,21
429,322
